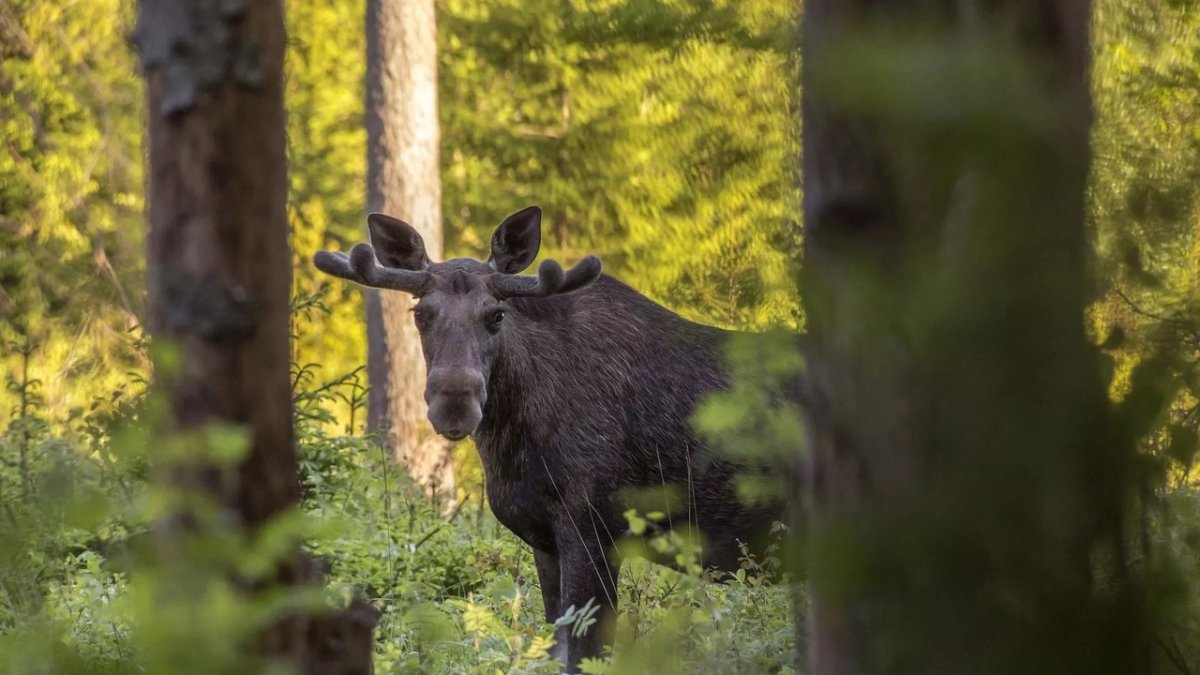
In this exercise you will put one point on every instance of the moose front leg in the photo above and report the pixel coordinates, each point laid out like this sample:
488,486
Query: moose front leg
550,578
551,581
588,572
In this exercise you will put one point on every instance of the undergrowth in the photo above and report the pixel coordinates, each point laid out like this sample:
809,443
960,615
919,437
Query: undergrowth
82,591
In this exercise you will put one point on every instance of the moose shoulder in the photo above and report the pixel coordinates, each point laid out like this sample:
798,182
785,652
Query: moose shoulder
577,390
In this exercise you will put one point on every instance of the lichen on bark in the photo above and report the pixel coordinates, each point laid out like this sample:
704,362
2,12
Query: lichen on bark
195,44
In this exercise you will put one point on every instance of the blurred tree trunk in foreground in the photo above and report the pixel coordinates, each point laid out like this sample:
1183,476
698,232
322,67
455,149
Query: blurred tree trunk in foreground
967,482
219,276
403,180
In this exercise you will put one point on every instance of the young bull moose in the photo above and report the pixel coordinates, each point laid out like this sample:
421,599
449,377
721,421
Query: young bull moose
577,390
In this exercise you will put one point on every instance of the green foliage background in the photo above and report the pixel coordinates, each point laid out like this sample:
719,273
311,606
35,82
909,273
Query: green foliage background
71,224
656,133
612,115
1146,204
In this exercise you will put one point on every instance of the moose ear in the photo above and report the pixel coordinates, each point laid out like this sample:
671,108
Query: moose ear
516,242
396,243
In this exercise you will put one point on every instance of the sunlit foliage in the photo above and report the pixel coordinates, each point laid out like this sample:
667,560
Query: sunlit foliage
618,117
327,164
1146,209
70,199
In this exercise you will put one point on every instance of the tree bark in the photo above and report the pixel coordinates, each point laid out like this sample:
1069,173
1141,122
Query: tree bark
403,180
964,492
219,270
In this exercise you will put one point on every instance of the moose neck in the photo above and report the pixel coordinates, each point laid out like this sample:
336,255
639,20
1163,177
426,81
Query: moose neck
568,361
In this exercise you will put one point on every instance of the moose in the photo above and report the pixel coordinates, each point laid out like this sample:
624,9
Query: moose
578,392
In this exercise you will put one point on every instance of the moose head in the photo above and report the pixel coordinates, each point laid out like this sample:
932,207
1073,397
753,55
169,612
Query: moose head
462,303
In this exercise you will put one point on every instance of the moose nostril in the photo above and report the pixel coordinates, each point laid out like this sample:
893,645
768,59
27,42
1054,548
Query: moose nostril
454,417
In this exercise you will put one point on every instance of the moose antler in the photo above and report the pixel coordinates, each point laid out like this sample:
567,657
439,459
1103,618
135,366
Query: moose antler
361,267
550,280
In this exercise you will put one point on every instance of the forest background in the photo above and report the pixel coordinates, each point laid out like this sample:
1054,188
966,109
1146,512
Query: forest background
660,136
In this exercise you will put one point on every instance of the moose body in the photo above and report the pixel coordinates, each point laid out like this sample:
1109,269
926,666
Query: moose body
578,392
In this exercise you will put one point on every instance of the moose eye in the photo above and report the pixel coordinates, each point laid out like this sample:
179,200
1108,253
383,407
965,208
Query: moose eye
494,319
421,315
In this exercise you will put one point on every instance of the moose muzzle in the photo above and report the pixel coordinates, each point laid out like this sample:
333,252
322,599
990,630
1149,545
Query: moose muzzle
455,397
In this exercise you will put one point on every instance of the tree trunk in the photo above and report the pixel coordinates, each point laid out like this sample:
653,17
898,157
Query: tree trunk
403,180
965,489
219,268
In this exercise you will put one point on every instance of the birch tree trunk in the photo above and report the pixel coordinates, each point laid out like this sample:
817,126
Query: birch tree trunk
403,180
966,487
